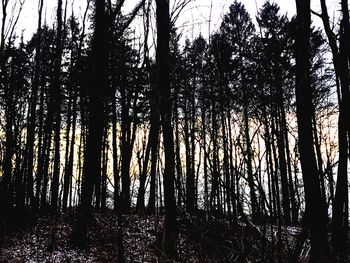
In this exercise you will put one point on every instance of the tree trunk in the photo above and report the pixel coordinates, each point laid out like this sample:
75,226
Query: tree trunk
32,107
316,216
154,140
340,219
163,89
56,93
98,94
253,198
115,154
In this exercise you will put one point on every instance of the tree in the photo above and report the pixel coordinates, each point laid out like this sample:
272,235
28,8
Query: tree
237,30
315,214
163,91
29,158
96,106
340,55
56,96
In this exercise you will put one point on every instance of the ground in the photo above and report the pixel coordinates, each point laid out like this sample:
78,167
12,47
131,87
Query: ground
48,239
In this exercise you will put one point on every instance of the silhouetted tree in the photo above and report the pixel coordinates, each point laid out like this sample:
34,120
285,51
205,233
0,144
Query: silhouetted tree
315,206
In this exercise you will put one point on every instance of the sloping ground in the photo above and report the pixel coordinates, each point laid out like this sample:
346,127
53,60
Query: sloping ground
200,240
49,241
291,239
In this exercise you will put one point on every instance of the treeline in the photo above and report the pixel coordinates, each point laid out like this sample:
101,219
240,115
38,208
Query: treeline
91,119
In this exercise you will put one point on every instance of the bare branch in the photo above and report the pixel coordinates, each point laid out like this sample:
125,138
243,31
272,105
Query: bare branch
316,14
4,4
177,8
131,18
13,19
82,35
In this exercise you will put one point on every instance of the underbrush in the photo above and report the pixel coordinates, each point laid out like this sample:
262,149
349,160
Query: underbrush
202,238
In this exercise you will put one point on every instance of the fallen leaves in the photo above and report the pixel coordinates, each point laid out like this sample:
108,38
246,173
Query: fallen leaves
199,240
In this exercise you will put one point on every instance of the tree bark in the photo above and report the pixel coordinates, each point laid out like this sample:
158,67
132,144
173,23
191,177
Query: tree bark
97,97
163,89
316,216
56,104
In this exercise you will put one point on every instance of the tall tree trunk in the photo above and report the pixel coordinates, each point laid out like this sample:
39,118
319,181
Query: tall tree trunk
140,204
163,89
115,154
192,183
205,161
214,195
340,219
104,169
250,179
154,140
341,66
7,169
177,155
66,179
316,216
32,117
98,87
98,94
269,165
125,150
40,159
290,174
233,175
189,172
56,93
226,166
283,172
69,170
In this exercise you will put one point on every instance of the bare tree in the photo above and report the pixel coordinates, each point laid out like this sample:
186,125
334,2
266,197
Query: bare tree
165,108
315,214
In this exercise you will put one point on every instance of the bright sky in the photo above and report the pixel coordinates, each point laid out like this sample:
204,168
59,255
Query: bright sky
199,11
194,19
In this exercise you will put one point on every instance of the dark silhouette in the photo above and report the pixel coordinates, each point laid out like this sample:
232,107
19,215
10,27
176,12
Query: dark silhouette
123,126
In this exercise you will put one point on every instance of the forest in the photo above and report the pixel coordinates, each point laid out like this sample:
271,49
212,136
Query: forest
124,140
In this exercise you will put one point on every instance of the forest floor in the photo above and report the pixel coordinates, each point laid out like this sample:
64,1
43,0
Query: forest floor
49,240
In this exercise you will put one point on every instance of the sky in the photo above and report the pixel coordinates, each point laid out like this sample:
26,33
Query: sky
194,19
199,10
